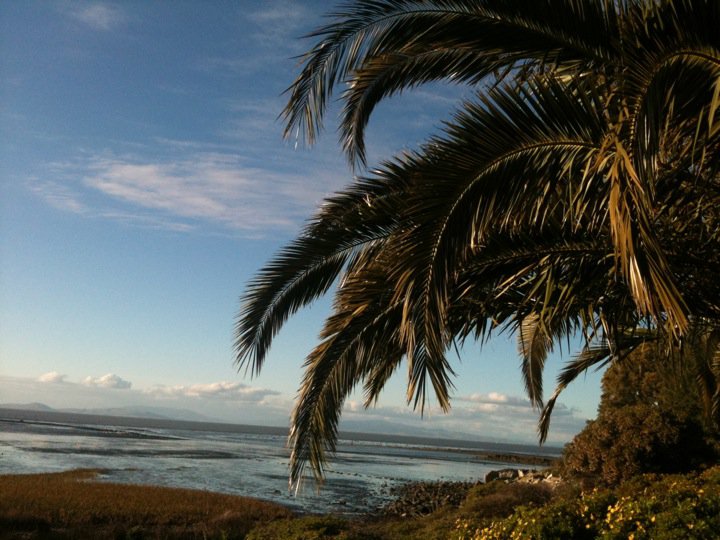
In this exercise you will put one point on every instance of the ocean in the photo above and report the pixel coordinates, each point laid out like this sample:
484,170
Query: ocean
241,460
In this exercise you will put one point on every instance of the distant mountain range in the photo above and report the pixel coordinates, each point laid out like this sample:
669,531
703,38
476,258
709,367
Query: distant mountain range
370,425
160,413
27,406
348,427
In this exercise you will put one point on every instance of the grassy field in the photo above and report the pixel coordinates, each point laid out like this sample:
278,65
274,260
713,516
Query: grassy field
71,505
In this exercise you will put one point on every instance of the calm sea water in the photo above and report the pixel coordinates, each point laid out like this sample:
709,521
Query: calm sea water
242,460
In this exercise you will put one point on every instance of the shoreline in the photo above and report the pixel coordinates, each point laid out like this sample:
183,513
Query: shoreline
65,423
42,426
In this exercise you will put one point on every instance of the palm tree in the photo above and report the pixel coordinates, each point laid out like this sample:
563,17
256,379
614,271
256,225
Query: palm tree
578,191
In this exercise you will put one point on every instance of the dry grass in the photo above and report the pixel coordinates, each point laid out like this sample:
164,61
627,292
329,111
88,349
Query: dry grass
71,505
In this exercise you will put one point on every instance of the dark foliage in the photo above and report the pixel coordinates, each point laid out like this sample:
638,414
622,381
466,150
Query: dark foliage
650,420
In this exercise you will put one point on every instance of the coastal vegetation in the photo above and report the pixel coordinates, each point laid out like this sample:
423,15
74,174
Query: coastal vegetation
72,505
651,411
613,481
576,194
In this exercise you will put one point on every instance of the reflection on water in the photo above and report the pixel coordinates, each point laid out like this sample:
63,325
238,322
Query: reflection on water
252,464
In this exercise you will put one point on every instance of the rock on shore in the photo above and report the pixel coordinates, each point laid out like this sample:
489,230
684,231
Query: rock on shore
422,498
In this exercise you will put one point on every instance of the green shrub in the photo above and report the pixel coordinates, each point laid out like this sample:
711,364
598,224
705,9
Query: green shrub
650,507
627,441
651,410
310,528
498,499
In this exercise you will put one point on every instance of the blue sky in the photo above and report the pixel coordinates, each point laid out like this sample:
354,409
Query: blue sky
144,179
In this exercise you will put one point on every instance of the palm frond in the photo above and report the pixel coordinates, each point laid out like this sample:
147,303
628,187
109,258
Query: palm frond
308,267
486,190
578,193
590,356
503,34
361,334
534,342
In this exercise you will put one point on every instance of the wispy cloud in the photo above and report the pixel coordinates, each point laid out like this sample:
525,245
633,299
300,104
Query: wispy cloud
210,187
108,381
271,33
202,188
99,16
279,24
58,196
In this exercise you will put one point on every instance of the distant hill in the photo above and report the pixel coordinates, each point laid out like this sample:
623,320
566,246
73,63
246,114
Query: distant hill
26,406
159,413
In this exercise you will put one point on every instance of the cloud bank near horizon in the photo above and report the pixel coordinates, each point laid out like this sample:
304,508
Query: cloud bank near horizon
491,416
107,381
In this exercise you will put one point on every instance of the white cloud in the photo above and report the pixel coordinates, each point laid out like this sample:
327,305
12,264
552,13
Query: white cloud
238,402
107,381
496,398
228,402
227,391
211,187
99,16
52,377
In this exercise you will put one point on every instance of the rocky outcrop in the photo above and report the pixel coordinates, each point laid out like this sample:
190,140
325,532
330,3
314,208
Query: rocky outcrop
423,498
529,476
507,474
